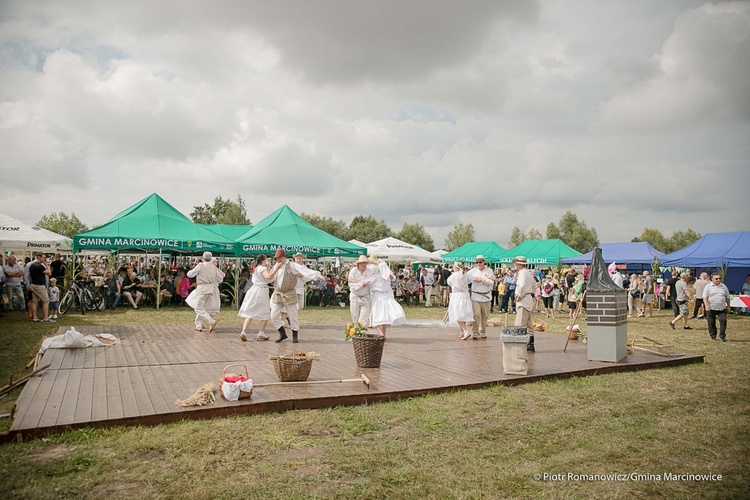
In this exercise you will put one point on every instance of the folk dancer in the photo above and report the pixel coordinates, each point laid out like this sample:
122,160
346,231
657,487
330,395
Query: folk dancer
257,303
359,291
285,293
459,305
482,280
205,299
384,310
524,298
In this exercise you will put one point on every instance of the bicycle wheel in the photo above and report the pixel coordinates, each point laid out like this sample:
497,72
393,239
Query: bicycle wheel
66,302
90,300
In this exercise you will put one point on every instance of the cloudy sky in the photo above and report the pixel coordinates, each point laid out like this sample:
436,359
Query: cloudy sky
497,113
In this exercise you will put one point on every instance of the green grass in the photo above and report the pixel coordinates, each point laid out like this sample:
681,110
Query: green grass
484,443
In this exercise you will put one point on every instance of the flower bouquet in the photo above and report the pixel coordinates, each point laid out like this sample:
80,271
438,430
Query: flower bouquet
355,330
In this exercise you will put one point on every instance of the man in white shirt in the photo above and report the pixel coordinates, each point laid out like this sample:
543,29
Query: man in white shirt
207,278
285,293
359,291
428,280
524,298
716,300
14,283
482,280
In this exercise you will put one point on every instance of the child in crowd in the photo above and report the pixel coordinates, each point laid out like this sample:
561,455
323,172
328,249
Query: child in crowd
54,298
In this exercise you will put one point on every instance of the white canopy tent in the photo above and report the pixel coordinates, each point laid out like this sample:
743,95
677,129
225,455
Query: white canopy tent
394,250
20,237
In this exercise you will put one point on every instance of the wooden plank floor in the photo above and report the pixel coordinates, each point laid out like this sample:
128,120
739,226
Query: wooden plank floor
139,380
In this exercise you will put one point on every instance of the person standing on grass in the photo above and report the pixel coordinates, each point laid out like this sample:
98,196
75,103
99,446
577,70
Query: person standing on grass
648,294
38,275
257,302
524,298
681,296
205,298
459,305
716,300
700,285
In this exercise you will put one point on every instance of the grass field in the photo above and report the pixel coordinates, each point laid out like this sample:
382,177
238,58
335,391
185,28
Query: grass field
693,419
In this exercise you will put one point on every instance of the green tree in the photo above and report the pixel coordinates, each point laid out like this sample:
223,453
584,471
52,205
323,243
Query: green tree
681,239
62,224
516,238
653,237
337,228
366,229
459,236
416,235
534,234
553,232
221,212
576,234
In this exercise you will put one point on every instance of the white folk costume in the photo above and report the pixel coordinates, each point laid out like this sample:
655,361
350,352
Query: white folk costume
285,296
257,303
524,299
481,295
384,310
459,306
205,299
359,295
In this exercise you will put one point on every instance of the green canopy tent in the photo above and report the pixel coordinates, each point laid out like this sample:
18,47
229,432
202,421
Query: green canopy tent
469,251
231,231
539,252
284,228
153,224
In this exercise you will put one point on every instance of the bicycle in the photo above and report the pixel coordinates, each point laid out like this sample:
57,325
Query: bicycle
85,297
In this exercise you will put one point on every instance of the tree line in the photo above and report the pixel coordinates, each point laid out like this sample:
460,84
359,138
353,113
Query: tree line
573,231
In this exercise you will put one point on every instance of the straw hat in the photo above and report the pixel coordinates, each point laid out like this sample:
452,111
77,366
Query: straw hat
299,254
480,257
520,260
374,260
363,259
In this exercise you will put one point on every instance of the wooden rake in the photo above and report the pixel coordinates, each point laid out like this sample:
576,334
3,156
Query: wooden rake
362,378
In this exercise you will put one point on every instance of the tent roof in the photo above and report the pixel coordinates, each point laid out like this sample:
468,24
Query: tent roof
623,253
152,223
15,235
284,228
231,231
468,252
394,250
539,252
714,250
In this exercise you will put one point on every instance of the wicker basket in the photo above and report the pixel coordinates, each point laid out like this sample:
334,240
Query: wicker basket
243,394
294,369
368,351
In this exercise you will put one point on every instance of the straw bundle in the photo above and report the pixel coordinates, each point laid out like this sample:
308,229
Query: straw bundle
203,396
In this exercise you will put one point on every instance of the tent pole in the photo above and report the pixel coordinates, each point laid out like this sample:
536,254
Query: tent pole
158,282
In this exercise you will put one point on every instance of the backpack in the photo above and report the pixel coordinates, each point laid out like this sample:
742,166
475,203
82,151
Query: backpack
548,288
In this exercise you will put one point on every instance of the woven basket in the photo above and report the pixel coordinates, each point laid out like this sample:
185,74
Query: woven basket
368,351
243,394
292,369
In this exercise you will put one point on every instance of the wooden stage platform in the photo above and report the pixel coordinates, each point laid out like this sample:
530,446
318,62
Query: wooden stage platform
138,381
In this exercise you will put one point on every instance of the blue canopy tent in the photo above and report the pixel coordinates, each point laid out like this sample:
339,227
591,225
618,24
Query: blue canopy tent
637,256
716,250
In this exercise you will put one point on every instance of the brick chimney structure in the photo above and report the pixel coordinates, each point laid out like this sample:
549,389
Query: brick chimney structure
607,314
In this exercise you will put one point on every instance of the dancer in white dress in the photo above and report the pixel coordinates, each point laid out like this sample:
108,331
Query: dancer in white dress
257,302
384,310
459,306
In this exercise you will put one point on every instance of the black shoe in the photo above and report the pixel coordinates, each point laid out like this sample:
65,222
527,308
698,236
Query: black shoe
530,345
294,337
713,338
687,328
723,339
671,325
701,316
282,334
